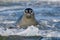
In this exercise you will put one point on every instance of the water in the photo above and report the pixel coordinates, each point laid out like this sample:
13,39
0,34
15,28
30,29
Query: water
47,15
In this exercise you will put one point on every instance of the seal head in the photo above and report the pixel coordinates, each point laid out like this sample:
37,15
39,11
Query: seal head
29,13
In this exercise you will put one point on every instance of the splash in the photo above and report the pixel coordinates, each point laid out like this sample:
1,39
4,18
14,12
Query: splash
30,31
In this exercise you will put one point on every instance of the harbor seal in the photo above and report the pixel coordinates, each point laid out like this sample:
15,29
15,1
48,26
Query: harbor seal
28,19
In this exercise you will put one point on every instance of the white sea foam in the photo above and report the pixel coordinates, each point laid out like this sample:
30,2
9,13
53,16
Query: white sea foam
30,31
9,22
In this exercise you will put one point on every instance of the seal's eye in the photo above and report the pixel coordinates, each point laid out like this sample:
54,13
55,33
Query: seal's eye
26,11
30,11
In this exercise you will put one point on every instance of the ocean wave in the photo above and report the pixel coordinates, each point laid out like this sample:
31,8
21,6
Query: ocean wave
30,31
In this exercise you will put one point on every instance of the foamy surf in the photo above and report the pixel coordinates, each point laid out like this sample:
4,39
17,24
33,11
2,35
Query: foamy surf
30,31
